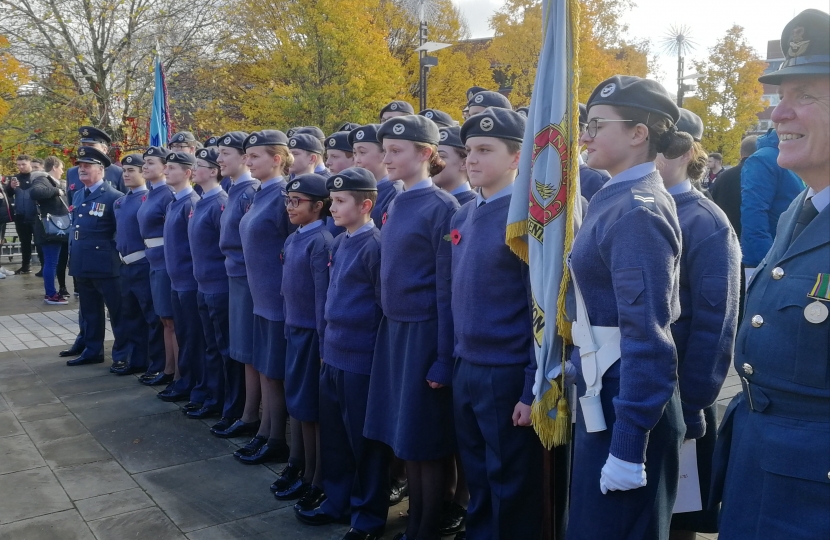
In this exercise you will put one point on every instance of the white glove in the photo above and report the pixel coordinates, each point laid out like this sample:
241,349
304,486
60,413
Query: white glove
570,372
619,475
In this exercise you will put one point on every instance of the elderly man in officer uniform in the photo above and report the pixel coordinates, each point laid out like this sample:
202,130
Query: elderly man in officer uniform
93,137
773,457
94,261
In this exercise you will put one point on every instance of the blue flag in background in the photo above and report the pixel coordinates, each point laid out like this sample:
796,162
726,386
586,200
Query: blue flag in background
160,115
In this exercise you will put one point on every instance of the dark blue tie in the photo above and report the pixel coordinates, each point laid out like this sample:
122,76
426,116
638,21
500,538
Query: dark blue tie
808,213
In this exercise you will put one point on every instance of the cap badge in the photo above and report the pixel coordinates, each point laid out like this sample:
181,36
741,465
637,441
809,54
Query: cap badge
397,129
393,107
798,45
202,153
608,90
129,159
332,142
292,143
486,124
85,132
252,140
212,140
359,135
150,152
227,140
479,98
81,152
443,136
428,114
470,96
338,182
180,137
295,185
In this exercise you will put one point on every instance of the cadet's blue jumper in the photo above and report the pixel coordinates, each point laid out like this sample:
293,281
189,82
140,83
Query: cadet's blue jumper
387,191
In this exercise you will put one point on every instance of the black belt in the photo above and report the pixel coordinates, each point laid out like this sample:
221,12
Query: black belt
786,404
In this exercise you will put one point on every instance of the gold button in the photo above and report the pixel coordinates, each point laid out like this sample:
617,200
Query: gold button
777,273
757,321
747,369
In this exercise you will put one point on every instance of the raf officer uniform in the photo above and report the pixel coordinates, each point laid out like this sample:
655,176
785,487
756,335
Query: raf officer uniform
113,175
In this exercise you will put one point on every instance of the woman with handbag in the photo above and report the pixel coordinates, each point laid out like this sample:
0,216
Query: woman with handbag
51,231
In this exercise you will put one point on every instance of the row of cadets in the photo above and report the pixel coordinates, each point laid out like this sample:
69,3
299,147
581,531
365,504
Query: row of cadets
494,350
151,225
625,266
704,334
179,262
368,154
240,416
203,230
141,323
263,230
409,406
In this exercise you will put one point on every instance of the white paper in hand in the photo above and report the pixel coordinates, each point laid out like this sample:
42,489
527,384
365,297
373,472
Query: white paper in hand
688,489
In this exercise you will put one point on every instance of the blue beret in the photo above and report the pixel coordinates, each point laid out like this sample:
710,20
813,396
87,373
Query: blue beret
473,90
91,134
439,117
690,123
133,159
348,126
338,141
495,122
211,155
806,45
304,141
490,99
583,114
182,158
310,130
157,151
266,137
524,111
450,136
630,91
352,179
87,154
182,137
234,139
398,106
310,184
409,128
367,134
213,141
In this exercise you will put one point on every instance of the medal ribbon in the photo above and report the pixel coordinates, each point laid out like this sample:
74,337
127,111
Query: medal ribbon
821,290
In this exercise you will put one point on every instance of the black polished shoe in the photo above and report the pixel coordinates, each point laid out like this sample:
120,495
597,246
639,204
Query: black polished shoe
252,447
39,273
294,491
127,370
149,375
312,516
160,378
237,429
22,270
81,361
171,396
266,454
73,351
191,406
400,491
63,292
224,423
356,534
117,366
204,412
311,499
288,477
452,518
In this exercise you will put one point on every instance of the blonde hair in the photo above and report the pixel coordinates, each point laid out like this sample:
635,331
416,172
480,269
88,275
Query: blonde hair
285,156
436,164
697,163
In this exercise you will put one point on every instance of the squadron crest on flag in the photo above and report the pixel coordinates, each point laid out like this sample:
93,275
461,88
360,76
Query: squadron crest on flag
547,202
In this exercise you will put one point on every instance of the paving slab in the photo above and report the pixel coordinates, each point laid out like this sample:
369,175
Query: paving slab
72,451
66,525
94,479
52,429
36,493
150,523
17,453
41,412
9,424
114,504
276,524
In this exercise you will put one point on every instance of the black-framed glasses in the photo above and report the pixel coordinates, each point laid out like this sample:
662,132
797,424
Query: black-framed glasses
593,125
294,202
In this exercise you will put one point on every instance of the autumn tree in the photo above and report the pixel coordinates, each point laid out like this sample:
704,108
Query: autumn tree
12,76
729,95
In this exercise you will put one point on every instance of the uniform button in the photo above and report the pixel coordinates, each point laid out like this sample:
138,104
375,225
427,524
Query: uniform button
828,475
83,204
747,369
96,247
77,226
757,321
777,273
80,215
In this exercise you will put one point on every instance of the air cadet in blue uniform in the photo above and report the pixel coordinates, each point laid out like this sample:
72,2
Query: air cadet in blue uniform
774,441
470,94
454,178
496,360
307,150
368,154
226,180
94,260
485,99
179,262
625,264
355,469
705,332
394,109
590,180
339,156
142,325
93,137
440,118
151,224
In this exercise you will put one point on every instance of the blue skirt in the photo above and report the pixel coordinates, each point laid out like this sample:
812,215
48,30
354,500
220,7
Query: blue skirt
403,411
269,347
161,289
241,315
302,374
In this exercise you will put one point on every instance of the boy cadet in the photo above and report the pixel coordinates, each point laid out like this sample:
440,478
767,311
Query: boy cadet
307,150
368,154
339,154
496,363
355,480
184,141
142,325
483,100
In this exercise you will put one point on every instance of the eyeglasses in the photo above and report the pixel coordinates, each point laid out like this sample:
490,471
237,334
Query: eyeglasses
593,125
294,202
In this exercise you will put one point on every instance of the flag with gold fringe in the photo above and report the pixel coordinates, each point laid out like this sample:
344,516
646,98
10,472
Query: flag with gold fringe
545,205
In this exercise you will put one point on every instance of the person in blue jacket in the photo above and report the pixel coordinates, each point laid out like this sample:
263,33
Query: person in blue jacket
92,137
710,269
263,230
143,326
772,461
625,263
307,150
767,189
410,402
454,177
368,154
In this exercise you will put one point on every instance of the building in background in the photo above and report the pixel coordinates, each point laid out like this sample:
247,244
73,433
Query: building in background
775,56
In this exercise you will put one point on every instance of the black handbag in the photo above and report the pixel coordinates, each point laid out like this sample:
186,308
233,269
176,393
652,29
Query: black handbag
55,228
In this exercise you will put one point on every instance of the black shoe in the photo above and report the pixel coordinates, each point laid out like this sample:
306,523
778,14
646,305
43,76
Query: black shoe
355,534
400,491
314,515
171,396
252,447
63,292
400,536
452,518
191,406
204,412
237,429
22,270
461,536
288,477
311,499
160,378
81,361
266,454
294,491
73,351
127,370
39,273
117,366
224,423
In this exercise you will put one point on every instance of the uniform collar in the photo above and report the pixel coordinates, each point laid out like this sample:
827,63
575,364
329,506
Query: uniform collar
244,178
272,182
383,180
682,187
310,227
820,199
634,173
461,189
154,185
184,193
423,184
366,227
212,193
319,168
503,192
139,189
94,187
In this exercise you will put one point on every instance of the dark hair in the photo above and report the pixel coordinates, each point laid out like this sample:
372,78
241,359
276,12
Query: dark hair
326,210
663,137
697,164
51,162
436,164
23,157
460,152
37,160
360,196
716,156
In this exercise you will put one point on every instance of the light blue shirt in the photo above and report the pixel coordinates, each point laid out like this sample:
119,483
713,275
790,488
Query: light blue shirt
310,227
245,176
634,173
682,187
94,187
184,193
461,189
367,227
503,192
319,168
139,189
271,182
820,199
154,185
423,184
212,193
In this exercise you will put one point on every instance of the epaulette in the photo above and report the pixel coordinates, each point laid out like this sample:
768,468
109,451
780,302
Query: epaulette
642,197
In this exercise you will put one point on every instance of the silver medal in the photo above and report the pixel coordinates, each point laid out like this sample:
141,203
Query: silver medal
816,312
